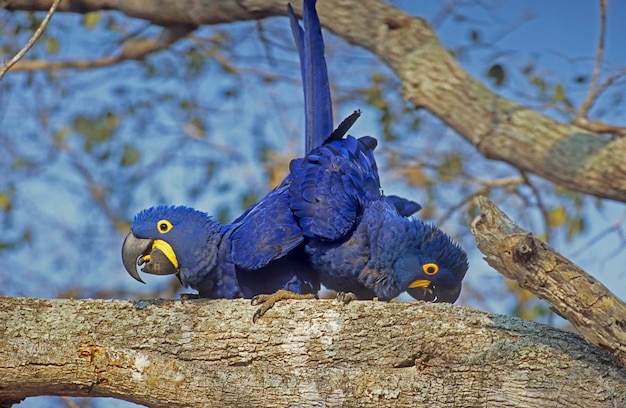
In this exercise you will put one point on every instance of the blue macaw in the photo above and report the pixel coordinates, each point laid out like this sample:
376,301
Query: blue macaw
262,251
359,240
204,255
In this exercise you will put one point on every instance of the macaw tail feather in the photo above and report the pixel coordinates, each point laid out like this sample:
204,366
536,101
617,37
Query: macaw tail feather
318,111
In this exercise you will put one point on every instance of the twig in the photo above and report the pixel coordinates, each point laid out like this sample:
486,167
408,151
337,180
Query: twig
598,127
610,80
5,67
132,50
69,402
542,207
487,185
615,227
584,109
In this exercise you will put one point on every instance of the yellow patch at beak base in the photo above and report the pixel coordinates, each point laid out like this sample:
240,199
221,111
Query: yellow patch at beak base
420,283
167,251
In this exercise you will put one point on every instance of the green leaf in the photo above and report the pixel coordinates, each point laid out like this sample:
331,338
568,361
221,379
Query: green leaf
497,74
60,136
539,83
450,167
52,45
574,227
249,198
6,198
6,201
557,216
559,95
196,62
96,130
90,20
130,156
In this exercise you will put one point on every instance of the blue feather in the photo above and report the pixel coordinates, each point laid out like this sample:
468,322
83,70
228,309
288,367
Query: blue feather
317,103
211,258
356,237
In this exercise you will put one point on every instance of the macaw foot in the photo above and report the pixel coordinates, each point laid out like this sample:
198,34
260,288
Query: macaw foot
268,301
345,297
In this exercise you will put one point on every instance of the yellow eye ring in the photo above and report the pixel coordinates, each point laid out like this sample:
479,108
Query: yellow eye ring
430,268
164,226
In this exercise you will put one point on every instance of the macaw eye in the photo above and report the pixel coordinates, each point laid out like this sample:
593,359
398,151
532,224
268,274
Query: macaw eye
430,268
164,226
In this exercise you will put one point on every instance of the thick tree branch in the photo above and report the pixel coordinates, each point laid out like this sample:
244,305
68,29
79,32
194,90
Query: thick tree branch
305,353
571,156
574,294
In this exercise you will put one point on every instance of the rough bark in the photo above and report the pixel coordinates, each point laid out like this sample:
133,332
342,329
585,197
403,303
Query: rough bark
581,160
574,294
304,353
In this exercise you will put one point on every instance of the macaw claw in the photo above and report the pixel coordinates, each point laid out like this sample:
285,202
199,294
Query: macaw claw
345,297
267,301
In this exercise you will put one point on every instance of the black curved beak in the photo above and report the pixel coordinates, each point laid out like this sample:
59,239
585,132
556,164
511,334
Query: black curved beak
142,251
436,294
132,249
448,294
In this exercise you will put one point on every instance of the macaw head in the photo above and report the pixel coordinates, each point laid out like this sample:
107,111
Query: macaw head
434,267
168,240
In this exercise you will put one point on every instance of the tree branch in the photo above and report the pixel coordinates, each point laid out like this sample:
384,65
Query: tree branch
574,157
209,353
574,294
132,50
6,65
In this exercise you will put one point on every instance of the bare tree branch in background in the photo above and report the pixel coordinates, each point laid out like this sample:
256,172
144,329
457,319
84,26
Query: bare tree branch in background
583,111
131,50
7,65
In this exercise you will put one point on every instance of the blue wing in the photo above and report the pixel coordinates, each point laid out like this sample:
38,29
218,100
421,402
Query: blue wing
266,231
317,103
331,186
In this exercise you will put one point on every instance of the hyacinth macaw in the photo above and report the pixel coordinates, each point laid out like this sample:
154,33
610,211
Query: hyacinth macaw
359,240
261,251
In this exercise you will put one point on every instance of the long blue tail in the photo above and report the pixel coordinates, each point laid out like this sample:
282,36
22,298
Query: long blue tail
318,111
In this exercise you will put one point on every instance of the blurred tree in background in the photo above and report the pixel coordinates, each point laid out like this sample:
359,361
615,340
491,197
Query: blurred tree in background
110,114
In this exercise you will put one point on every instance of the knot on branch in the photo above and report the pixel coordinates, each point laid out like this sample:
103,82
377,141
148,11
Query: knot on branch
525,249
